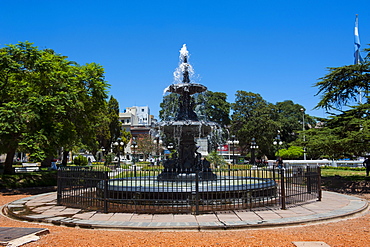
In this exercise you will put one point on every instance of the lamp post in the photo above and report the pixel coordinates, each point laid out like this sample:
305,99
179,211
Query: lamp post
158,142
133,146
233,142
253,147
304,136
278,142
118,144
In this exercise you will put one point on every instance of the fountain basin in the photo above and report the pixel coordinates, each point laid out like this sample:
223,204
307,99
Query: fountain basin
149,190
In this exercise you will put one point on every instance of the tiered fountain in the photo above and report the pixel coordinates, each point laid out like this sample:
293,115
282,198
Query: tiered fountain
188,165
187,178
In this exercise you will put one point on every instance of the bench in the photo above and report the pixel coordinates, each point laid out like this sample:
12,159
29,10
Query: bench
27,167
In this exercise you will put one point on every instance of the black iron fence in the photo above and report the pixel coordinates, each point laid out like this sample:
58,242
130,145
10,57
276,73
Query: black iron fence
138,190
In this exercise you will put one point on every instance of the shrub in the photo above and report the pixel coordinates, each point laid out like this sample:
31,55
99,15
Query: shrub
80,160
109,159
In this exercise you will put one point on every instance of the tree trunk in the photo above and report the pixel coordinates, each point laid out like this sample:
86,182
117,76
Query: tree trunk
8,165
65,158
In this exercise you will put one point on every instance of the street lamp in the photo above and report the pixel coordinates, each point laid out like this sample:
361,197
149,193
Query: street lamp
158,142
304,136
233,142
133,146
278,142
118,144
253,147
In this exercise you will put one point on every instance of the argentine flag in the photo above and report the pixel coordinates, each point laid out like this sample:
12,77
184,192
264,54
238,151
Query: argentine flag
358,58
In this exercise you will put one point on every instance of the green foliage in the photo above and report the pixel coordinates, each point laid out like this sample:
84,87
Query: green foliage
108,159
343,135
344,168
101,168
169,107
145,145
25,180
348,130
80,160
293,152
253,117
342,84
214,107
47,102
215,159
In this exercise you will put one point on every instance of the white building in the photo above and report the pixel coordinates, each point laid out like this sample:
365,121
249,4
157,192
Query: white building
136,120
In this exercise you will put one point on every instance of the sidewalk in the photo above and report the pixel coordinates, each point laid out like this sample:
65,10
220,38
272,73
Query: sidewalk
43,208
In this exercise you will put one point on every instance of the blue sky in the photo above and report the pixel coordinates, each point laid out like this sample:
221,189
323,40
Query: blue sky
278,49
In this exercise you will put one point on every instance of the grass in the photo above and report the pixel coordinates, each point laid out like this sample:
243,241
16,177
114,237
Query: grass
350,174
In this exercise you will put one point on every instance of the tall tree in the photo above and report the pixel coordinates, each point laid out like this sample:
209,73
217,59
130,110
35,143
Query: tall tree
253,117
342,85
343,135
46,101
290,118
216,108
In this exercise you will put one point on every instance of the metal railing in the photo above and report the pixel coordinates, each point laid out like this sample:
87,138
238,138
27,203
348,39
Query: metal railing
138,190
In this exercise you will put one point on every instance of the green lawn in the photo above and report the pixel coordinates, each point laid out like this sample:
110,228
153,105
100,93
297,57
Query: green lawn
349,174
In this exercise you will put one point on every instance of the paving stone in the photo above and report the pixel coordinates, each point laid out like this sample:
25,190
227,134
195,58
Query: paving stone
228,217
121,217
83,216
45,210
141,218
206,218
163,218
100,216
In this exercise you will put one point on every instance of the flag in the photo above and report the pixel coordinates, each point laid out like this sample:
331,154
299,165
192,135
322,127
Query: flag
358,58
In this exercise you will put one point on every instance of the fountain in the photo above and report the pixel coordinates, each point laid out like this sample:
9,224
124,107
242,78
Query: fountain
188,165
186,179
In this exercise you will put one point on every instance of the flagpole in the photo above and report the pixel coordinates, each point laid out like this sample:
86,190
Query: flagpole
357,54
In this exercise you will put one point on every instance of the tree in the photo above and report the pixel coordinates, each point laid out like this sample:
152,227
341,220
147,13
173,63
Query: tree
169,107
348,128
145,145
209,105
215,107
343,84
215,159
293,152
253,117
289,118
47,102
343,135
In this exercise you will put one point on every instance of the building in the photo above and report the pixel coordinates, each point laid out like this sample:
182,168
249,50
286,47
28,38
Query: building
138,121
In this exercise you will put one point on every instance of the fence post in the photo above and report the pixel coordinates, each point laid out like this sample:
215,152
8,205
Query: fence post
309,184
59,187
283,203
319,194
197,190
106,178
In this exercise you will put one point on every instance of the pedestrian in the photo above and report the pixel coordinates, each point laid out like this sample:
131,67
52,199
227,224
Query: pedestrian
279,163
367,165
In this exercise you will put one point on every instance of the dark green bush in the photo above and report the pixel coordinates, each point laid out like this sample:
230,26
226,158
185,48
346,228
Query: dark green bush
80,160
109,159
25,180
